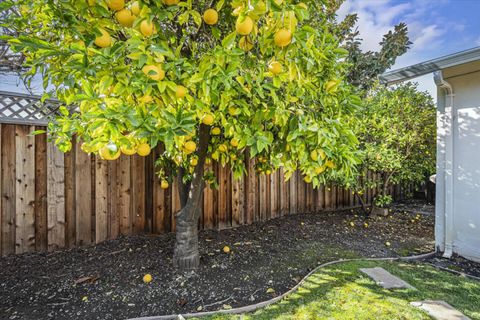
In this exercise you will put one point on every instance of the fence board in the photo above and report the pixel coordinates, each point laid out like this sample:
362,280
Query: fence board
25,187
137,186
238,196
83,199
101,200
250,190
55,197
41,223
123,184
70,217
8,189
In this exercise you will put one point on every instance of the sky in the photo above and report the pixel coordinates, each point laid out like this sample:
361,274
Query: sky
436,28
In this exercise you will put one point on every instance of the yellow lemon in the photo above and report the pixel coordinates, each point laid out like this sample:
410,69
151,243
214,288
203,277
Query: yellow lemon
222,148
91,2
147,278
275,67
216,131
129,151
268,172
116,4
135,7
232,111
147,28
226,249
180,92
314,155
207,119
125,17
104,40
307,179
143,149
302,5
233,156
322,154
210,16
107,154
245,44
330,164
171,2
193,162
146,99
154,72
319,170
282,38
234,143
190,146
164,184
244,26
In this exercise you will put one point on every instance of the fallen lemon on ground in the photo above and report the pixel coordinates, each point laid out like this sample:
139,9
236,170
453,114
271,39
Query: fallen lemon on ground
226,249
210,16
143,149
147,278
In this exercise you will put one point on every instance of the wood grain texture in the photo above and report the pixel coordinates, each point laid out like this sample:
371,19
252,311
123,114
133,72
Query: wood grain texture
8,189
83,197
124,196
25,189
41,223
101,200
55,197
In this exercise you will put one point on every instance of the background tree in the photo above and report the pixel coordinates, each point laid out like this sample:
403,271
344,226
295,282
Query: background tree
367,66
206,79
397,134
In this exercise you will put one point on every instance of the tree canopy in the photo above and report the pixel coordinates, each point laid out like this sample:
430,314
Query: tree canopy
266,75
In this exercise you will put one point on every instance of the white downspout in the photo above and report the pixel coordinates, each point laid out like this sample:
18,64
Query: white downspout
449,168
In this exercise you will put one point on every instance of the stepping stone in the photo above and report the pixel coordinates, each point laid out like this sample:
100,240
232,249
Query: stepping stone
385,279
440,310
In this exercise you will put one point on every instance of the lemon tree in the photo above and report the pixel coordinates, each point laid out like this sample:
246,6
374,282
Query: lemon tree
397,134
208,80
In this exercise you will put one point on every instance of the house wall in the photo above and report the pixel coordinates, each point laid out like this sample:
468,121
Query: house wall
463,197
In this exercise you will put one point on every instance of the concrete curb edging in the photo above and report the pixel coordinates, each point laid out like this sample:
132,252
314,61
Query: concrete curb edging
253,307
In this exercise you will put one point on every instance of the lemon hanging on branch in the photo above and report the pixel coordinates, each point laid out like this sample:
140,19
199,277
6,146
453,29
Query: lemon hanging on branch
244,25
282,38
210,16
104,40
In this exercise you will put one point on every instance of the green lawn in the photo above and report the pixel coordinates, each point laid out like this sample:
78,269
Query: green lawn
341,291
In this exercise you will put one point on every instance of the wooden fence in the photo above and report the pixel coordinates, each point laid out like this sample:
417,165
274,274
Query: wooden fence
52,200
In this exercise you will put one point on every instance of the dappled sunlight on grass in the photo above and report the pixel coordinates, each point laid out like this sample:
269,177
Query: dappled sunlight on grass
343,292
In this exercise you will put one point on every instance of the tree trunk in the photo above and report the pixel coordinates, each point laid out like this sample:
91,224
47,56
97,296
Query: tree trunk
186,256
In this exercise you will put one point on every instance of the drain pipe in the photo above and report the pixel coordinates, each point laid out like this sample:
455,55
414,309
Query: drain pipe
447,161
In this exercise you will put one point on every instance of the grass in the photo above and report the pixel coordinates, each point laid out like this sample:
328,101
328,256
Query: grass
342,292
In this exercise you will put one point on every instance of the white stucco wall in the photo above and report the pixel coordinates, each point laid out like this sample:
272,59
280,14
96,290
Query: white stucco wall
462,228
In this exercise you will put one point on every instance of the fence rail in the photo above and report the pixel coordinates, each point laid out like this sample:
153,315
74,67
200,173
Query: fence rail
52,200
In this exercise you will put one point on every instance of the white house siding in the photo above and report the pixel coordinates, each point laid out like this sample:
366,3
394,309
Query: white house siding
464,223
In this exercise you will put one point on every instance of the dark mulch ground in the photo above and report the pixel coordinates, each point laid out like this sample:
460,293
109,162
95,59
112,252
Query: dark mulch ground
265,256
457,263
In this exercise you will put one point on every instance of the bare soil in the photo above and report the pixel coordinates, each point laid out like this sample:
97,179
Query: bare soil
266,259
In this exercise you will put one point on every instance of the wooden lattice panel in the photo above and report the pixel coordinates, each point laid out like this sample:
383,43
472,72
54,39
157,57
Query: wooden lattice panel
26,109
